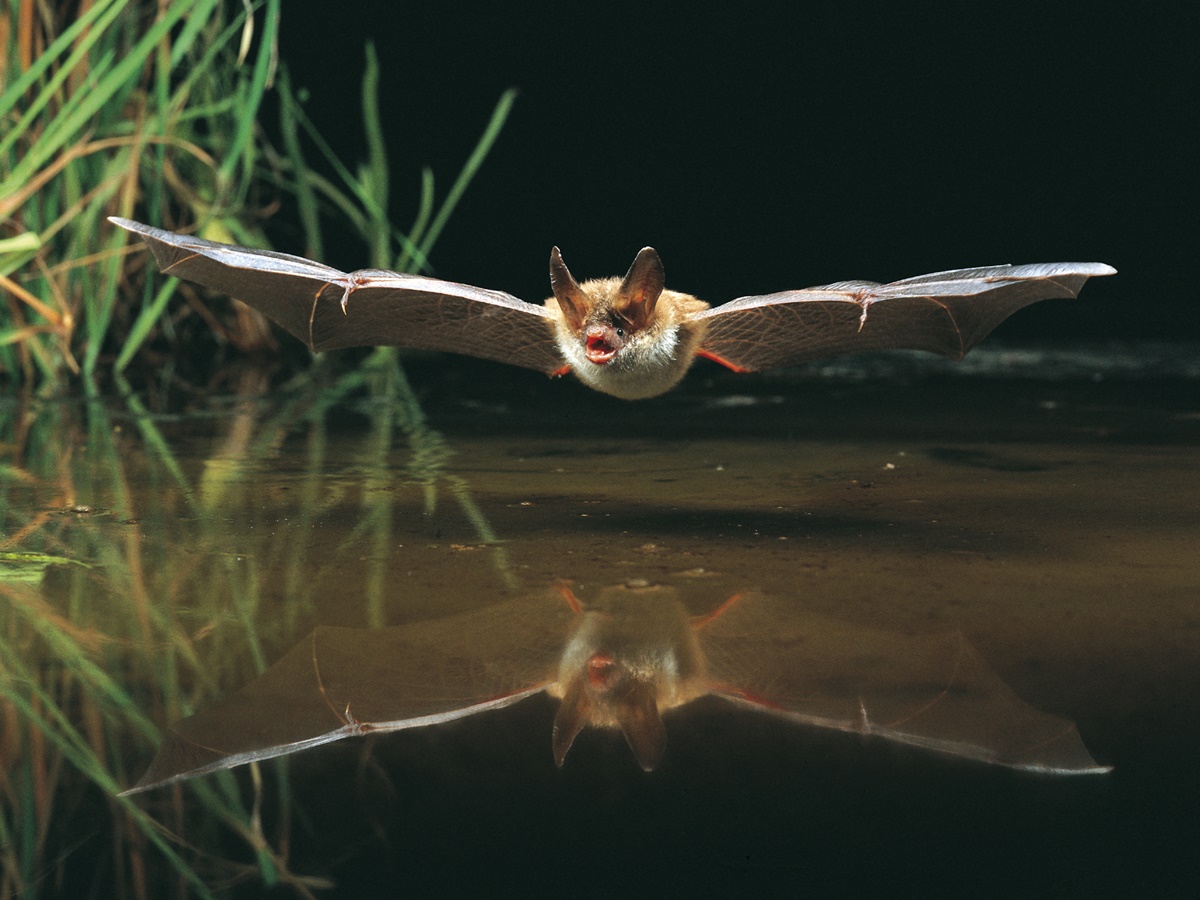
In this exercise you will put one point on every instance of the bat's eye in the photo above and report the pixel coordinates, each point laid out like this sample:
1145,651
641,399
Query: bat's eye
621,325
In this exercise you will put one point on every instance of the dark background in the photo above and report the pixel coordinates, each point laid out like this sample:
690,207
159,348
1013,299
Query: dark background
759,148
762,147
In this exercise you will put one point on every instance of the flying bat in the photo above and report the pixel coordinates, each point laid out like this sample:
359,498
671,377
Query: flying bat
621,662
629,337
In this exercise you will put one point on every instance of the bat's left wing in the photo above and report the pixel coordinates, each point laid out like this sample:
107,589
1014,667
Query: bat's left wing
934,692
340,682
946,313
328,309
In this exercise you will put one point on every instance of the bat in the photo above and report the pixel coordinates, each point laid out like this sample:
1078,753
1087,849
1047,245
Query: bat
621,662
629,337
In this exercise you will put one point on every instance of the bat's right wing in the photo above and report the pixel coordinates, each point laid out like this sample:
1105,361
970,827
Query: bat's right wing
934,692
946,313
340,682
328,309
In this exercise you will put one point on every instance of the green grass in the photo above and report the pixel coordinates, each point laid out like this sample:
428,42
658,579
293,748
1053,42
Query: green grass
152,111
128,107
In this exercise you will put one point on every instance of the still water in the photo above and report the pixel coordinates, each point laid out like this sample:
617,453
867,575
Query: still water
1051,521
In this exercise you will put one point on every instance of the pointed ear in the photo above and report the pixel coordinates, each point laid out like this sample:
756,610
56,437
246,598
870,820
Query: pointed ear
641,288
573,714
643,726
570,296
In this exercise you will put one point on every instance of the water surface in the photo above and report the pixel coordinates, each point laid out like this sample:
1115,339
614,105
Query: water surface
1053,521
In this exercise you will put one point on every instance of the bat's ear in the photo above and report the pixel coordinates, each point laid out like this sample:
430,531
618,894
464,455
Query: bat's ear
571,299
641,288
642,725
573,714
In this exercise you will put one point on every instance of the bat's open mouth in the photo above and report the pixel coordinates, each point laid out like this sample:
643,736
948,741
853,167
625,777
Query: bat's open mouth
599,351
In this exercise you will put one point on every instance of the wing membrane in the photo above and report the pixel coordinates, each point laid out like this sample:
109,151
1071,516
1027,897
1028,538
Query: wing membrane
934,692
946,313
340,682
381,308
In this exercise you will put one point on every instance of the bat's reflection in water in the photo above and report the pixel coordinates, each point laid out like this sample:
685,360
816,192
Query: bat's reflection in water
622,661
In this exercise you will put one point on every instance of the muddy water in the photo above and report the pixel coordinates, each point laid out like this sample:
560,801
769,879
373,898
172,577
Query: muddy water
1054,523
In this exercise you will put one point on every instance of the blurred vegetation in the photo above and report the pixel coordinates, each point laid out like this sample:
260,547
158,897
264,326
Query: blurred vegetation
152,111
144,578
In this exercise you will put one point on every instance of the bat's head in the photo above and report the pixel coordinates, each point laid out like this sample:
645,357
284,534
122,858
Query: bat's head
627,337
632,656
609,693
607,314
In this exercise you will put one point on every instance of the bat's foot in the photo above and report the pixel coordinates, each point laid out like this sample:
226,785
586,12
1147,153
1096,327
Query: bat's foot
708,354
564,588
701,621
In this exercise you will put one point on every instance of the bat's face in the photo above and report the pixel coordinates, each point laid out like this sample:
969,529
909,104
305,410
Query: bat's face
632,655
627,337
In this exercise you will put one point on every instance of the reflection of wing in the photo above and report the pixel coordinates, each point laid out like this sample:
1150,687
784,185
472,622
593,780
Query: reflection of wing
340,682
946,313
329,309
932,692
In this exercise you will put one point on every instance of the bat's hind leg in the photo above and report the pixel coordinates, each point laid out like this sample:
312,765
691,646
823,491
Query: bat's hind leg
700,621
708,354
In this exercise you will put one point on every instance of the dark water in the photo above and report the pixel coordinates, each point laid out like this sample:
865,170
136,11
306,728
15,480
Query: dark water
1054,521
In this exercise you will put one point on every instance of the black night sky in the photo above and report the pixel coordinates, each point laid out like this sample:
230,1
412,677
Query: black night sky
762,147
